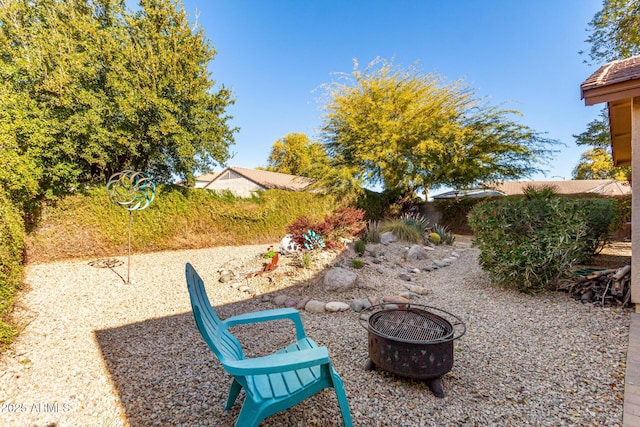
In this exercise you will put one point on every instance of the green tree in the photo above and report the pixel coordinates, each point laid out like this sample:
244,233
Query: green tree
295,154
614,34
614,31
596,163
407,131
90,88
597,133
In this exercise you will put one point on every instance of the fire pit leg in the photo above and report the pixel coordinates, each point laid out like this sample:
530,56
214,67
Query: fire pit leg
369,365
436,387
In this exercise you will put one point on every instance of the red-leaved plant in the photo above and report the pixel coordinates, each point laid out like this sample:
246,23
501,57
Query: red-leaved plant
344,223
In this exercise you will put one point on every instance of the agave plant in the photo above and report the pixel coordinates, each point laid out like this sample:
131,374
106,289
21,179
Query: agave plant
416,221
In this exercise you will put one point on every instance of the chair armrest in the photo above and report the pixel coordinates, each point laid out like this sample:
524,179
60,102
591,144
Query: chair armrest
278,362
268,315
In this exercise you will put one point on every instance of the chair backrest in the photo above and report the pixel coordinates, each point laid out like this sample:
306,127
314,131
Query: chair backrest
216,335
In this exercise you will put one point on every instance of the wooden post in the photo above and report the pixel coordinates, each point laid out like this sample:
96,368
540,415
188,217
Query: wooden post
635,202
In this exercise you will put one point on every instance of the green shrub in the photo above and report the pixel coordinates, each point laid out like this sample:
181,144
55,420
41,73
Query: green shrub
455,212
306,259
179,218
360,247
527,244
356,263
11,251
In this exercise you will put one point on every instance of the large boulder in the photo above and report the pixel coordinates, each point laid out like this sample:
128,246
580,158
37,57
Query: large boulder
335,306
340,279
314,306
288,245
417,252
388,237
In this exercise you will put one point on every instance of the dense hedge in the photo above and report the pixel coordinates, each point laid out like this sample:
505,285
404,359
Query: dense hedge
11,249
89,225
529,244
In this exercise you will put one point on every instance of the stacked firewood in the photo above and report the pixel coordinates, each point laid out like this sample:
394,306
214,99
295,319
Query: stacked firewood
602,287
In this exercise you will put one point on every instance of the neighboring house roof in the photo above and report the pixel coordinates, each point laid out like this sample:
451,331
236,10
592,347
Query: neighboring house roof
608,187
265,179
473,193
203,180
604,187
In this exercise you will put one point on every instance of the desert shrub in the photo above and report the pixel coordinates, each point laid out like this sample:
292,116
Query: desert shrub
454,212
372,233
403,231
11,248
527,244
360,247
623,214
306,260
539,192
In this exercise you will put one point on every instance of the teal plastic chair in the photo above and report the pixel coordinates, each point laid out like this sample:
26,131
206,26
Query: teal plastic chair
272,383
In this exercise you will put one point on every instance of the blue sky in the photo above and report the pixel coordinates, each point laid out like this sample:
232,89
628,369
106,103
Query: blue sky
275,54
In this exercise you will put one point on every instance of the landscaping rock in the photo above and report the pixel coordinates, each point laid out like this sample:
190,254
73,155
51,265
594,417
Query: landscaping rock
288,245
409,295
395,299
374,300
266,298
302,303
417,289
335,306
340,279
358,305
291,302
405,277
314,306
441,263
280,299
388,237
416,252
225,276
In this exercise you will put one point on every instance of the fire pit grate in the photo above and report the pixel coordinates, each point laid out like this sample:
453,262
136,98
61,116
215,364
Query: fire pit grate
411,326
411,340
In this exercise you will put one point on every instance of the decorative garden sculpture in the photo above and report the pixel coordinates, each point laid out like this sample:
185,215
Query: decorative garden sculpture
132,191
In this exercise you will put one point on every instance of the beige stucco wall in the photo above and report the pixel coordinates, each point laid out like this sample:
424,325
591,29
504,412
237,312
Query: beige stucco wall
635,202
241,187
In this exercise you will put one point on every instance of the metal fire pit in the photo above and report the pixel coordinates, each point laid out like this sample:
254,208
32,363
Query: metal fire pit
414,341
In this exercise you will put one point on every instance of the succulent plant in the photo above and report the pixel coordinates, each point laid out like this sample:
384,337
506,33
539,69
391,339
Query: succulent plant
435,238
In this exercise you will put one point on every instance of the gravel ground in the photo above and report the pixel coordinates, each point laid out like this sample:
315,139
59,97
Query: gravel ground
95,352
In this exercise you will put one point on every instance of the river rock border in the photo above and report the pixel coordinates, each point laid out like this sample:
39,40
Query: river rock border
312,305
